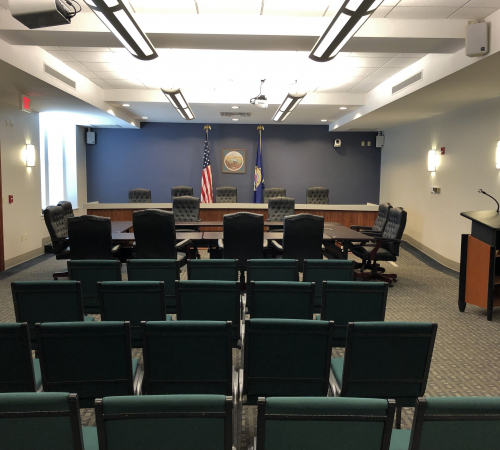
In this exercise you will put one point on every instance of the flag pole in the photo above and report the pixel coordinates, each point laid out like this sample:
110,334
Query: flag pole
206,128
259,129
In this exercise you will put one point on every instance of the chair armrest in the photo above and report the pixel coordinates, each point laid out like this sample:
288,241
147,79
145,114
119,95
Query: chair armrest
360,227
61,239
277,246
379,241
183,243
373,233
221,243
116,248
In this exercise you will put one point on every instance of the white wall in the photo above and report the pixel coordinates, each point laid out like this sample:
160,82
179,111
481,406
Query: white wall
470,135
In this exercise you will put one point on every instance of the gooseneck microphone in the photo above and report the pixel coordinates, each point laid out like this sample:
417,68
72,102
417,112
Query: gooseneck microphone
485,193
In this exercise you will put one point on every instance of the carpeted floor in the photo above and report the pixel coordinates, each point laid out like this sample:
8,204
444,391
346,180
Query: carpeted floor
466,360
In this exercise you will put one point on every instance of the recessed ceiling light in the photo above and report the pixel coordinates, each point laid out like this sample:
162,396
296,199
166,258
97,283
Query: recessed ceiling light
343,107
235,107
145,118
236,120
126,105
324,120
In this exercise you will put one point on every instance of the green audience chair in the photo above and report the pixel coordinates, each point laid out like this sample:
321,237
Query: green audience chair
272,270
323,423
92,359
47,301
280,300
319,270
162,422
18,371
44,421
132,301
89,272
352,301
212,269
166,270
456,423
385,360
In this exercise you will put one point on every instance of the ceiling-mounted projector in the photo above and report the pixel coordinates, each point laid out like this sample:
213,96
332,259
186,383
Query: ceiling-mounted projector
261,99
42,13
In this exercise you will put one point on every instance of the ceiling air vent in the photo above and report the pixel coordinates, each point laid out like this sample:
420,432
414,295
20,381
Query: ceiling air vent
59,76
235,114
408,82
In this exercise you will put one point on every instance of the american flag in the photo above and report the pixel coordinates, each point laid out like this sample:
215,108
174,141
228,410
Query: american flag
207,194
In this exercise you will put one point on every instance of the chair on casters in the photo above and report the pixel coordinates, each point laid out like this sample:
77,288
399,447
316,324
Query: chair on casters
67,209
181,191
57,226
226,194
139,195
278,208
273,192
187,209
318,196
380,222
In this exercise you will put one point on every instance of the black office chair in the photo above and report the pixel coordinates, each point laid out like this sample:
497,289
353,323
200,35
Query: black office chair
273,193
302,238
386,248
90,238
278,208
187,209
139,195
181,191
380,222
154,231
67,209
317,196
57,226
226,194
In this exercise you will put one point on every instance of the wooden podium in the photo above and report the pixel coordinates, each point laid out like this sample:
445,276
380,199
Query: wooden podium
479,267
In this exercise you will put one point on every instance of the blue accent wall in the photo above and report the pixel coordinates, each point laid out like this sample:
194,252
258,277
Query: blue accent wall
162,155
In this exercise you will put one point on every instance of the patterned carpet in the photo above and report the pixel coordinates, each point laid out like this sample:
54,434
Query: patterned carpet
466,360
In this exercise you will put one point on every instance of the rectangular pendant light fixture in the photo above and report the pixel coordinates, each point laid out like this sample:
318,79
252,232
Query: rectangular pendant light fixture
177,99
291,101
351,16
120,22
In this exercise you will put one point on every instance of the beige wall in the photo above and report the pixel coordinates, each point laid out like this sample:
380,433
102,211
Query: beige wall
470,136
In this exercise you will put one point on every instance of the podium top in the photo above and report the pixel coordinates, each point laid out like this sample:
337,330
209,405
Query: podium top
490,219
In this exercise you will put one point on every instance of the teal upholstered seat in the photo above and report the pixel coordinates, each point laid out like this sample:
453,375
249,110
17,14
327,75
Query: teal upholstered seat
18,372
132,301
159,422
286,358
324,423
166,270
273,270
280,300
213,269
43,421
386,360
89,272
319,270
352,301
455,423
91,359
47,301
210,300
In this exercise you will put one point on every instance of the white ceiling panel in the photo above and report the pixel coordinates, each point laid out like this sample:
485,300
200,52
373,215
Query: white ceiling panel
48,49
472,13
433,3
483,3
125,84
401,62
333,8
62,56
412,55
382,12
363,71
374,55
100,67
163,6
421,12
87,73
386,71
390,2
75,65
95,57
368,62
101,83
338,89
112,75
85,49
374,79
300,8
237,7
363,88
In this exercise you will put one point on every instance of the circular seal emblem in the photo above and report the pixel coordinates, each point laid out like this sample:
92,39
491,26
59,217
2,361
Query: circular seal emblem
233,161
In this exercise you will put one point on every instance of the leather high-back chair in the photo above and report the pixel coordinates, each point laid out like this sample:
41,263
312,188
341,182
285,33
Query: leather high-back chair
380,222
226,194
243,237
181,191
273,192
186,209
279,207
90,237
317,196
394,229
139,195
67,209
57,226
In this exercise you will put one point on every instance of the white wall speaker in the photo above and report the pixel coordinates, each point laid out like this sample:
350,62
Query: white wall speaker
476,41
90,137
379,141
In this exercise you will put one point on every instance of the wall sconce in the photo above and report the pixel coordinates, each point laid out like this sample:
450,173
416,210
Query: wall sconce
498,155
30,155
431,161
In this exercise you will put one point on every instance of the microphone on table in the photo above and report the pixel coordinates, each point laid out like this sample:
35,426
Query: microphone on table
485,193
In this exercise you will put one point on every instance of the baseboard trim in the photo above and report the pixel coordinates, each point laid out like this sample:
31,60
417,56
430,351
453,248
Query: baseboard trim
432,254
23,258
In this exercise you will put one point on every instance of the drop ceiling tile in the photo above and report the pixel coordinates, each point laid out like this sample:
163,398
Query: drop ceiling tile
381,12
401,62
433,3
95,57
472,13
412,55
62,56
164,6
112,75
100,67
338,89
386,71
75,65
421,12
363,88
2,7
236,7
368,62
483,3
85,49
87,73
374,79
50,49
390,2
374,55
363,71
310,8
101,83
126,84
333,9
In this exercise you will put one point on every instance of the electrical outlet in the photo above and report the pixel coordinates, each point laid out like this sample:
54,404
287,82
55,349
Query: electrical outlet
362,143
369,143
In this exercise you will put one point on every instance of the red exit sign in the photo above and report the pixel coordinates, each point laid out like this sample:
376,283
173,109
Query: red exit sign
25,103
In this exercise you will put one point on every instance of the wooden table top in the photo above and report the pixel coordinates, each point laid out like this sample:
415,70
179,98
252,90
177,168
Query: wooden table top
216,235
125,225
128,237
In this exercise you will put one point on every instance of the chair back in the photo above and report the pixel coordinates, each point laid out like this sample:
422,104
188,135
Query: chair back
186,209
180,422
212,269
89,273
209,300
47,301
279,207
286,358
139,195
90,237
187,357
273,192
166,270
394,229
318,196
92,359
319,270
388,360
280,300
181,191
243,236
154,232
132,301
383,216
324,423
67,209
16,371
456,423
57,226
272,270
40,421
352,301
303,237
226,194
